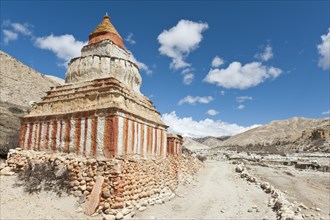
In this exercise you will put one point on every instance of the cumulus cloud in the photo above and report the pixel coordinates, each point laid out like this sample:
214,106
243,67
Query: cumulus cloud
65,46
180,40
22,28
326,112
266,55
130,39
238,76
142,66
222,92
207,127
217,61
193,100
188,78
9,36
241,99
240,106
212,112
324,51
13,30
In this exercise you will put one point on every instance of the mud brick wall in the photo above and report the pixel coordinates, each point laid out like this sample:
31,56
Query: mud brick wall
127,180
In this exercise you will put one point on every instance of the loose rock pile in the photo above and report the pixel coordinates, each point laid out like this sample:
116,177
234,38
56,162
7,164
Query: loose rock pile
284,209
115,187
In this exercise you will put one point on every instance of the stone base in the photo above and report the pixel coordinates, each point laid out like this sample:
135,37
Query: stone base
126,182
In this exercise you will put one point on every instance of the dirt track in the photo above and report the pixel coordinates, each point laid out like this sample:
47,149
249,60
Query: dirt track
216,194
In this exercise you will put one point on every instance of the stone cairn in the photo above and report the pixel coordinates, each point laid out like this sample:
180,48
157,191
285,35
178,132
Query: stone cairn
105,133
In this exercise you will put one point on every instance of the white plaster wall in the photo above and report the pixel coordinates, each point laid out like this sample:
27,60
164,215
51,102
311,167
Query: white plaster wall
95,67
153,142
32,139
43,134
82,136
100,135
120,135
164,143
129,137
72,135
89,136
136,138
49,144
145,141
63,136
58,140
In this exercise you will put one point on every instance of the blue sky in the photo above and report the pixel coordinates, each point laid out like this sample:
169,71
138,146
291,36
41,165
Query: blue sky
270,58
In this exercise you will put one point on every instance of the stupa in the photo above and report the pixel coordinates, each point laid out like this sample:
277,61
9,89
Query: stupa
99,111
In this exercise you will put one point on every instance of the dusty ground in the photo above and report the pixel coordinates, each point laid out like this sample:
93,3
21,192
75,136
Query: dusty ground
16,204
312,188
216,194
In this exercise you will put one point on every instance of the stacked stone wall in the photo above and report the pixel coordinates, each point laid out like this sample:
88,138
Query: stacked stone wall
127,182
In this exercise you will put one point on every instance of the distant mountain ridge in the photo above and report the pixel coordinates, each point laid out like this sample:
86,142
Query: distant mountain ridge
292,135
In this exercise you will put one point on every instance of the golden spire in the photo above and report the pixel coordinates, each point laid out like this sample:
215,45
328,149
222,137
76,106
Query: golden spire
106,30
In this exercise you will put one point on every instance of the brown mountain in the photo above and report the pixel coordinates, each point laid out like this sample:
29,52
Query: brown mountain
292,135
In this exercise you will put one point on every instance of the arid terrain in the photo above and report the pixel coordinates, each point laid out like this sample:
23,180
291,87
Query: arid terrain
216,192
280,170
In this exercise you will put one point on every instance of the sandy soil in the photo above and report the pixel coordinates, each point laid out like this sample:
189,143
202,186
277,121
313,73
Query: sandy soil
312,188
17,204
217,193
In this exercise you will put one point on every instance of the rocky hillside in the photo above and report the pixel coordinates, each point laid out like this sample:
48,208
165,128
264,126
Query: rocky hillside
212,141
292,135
193,145
19,85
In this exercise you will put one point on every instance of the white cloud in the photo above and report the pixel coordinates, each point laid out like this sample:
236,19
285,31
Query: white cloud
187,70
180,40
222,92
324,51
217,61
13,30
193,100
22,28
207,127
240,107
65,46
9,36
142,66
266,55
188,78
326,112
212,112
242,77
242,99
130,39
